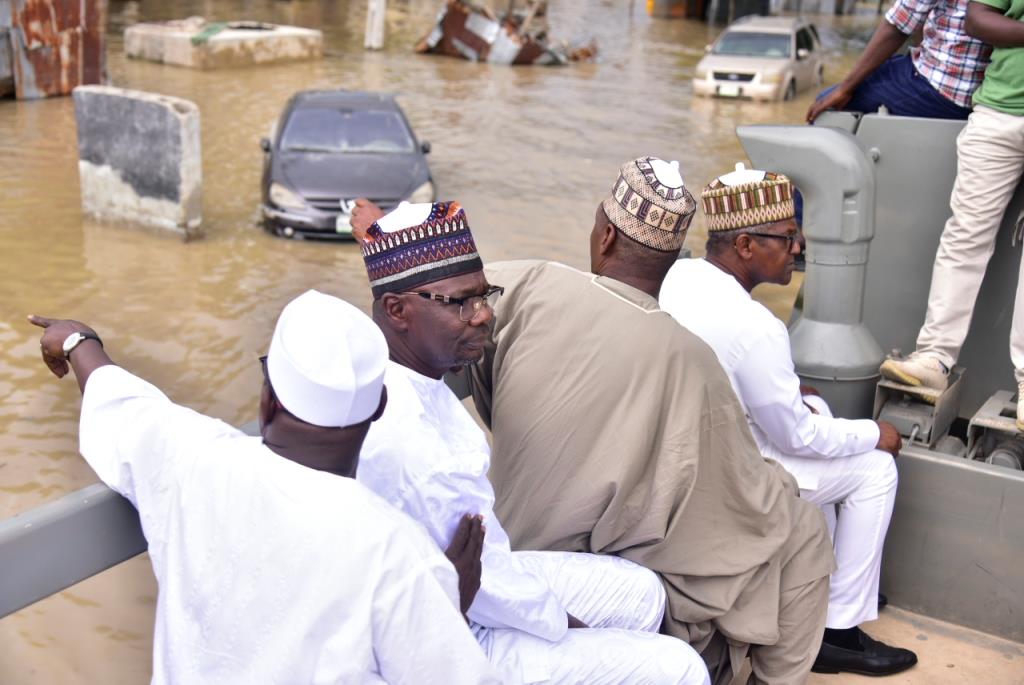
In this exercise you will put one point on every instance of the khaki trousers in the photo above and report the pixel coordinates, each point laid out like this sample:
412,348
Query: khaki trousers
802,612
990,158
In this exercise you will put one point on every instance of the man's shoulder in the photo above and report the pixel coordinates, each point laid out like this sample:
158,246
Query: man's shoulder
509,272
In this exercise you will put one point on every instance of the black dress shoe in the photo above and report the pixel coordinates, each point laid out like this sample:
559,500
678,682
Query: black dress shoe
873,658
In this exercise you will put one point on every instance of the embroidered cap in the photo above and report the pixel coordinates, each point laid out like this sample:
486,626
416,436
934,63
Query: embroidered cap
417,244
326,361
650,204
747,197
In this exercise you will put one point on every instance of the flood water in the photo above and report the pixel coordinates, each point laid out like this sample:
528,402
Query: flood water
529,152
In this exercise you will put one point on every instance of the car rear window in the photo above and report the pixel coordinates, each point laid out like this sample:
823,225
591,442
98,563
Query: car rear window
324,129
752,44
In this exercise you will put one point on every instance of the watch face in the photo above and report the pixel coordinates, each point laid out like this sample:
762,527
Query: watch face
71,341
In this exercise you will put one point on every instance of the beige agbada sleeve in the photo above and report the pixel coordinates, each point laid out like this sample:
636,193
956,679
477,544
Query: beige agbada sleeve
616,431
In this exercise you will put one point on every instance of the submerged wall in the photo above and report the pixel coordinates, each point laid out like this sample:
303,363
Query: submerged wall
139,158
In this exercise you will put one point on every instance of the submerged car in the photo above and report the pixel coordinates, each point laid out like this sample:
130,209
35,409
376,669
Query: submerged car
762,58
331,147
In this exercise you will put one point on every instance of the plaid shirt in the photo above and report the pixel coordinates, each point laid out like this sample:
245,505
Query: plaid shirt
953,62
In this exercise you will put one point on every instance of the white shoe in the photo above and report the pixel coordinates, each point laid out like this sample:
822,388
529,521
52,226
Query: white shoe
1020,406
918,369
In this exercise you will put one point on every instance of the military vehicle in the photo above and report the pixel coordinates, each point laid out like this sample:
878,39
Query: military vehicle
876,191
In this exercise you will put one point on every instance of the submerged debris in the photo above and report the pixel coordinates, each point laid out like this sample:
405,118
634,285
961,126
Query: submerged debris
476,33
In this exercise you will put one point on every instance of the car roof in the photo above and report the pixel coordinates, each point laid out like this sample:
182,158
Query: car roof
769,24
350,99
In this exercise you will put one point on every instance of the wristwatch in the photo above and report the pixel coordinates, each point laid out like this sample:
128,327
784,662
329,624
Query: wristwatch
76,339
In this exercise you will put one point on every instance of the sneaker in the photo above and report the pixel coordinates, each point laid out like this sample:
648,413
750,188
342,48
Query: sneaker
1020,406
917,369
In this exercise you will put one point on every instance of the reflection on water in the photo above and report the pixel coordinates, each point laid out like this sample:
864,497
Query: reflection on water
528,151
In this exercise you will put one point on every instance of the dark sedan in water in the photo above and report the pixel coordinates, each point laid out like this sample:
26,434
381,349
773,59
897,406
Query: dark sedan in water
331,147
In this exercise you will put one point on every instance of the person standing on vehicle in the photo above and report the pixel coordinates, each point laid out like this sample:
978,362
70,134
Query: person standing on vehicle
273,564
935,81
990,160
753,239
541,617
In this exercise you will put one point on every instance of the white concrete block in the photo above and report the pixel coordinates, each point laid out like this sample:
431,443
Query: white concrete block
139,158
234,44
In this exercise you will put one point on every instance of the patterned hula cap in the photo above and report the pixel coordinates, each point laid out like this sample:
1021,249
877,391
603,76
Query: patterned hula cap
416,244
745,198
650,204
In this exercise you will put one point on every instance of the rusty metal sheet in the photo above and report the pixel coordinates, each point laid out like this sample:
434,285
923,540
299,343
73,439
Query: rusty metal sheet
56,45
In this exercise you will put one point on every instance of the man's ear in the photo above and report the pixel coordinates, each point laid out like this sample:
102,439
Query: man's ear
742,245
395,311
607,239
268,406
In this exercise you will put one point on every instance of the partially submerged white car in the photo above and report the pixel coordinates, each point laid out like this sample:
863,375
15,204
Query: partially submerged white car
762,58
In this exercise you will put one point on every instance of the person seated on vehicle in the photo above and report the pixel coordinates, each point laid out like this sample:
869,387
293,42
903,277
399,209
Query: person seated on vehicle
753,239
273,564
935,81
542,617
990,159
616,432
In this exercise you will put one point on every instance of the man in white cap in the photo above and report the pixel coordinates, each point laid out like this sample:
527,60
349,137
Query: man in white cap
753,239
542,617
273,564
616,431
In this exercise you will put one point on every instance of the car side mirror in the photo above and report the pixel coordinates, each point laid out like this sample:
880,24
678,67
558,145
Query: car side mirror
265,144
425,147
802,53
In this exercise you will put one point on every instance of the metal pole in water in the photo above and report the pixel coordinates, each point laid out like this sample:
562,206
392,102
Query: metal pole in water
375,10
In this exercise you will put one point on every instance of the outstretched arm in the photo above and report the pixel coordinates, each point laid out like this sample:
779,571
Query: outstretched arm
989,24
88,356
884,43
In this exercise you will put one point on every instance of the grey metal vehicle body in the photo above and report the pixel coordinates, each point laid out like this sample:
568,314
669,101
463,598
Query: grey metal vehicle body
333,146
876,194
876,198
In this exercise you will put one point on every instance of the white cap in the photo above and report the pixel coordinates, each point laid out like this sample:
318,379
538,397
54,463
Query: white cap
326,361
742,176
405,215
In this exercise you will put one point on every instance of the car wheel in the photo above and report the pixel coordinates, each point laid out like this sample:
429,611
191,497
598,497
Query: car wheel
790,91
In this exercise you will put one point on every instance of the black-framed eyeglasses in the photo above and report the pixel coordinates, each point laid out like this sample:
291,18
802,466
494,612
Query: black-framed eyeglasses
470,308
788,237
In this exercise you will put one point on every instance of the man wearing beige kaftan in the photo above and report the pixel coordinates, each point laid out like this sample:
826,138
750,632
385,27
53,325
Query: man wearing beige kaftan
616,431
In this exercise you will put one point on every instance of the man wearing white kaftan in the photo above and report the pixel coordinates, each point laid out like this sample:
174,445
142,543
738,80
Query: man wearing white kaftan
832,459
428,457
753,239
270,571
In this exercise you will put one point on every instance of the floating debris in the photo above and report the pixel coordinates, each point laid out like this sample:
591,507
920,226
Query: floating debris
476,33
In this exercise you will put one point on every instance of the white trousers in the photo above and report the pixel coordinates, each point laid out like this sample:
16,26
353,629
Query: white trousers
623,603
864,487
990,158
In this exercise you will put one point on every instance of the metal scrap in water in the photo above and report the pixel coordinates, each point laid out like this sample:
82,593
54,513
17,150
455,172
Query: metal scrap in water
477,33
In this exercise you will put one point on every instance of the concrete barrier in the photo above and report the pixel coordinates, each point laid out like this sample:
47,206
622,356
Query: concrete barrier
139,157
199,44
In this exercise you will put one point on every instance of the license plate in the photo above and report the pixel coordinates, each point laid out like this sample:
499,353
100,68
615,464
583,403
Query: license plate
729,91
343,224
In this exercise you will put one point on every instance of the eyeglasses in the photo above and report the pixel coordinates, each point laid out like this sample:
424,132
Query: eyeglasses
470,308
789,238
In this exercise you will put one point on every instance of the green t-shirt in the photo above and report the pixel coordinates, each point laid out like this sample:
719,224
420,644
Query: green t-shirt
1003,87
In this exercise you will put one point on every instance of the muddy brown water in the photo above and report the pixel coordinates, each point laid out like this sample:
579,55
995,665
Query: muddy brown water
529,152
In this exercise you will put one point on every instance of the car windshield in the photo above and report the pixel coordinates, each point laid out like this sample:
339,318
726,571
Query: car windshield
751,44
324,129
